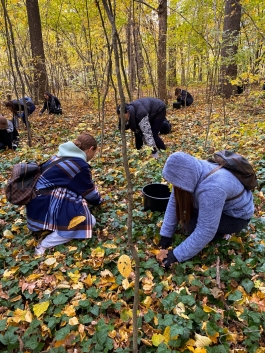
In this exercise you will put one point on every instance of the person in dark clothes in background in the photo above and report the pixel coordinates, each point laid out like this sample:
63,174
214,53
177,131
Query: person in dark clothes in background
17,107
183,97
145,117
51,104
8,134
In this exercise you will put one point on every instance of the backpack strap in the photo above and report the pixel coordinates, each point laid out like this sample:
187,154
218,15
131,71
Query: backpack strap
52,164
45,190
215,170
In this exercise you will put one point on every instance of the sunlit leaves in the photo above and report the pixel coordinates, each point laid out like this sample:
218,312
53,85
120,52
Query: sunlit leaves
40,308
124,265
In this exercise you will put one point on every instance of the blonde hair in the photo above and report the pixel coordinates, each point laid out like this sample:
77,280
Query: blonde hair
184,206
85,141
3,123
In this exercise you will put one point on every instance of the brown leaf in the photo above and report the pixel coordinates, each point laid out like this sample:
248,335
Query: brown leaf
161,255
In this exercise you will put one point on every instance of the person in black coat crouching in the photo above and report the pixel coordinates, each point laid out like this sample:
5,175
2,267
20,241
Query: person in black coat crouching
183,97
145,117
52,104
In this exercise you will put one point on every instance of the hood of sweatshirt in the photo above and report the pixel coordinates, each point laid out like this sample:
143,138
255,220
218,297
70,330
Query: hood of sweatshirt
69,149
183,170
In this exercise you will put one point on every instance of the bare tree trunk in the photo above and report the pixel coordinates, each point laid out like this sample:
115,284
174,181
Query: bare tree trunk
118,54
131,50
231,29
9,32
182,64
36,42
162,51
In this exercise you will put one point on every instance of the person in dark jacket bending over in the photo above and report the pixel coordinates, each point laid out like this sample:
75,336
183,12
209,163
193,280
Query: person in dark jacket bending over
17,107
207,206
184,97
145,117
52,104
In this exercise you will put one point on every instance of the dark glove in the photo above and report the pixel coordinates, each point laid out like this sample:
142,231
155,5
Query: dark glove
170,259
165,242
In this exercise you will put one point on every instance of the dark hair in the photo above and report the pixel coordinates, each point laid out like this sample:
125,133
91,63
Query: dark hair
184,206
118,109
48,94
177,91
12,106
84,141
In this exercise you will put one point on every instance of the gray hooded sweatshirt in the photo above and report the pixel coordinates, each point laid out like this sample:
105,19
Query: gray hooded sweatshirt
210,195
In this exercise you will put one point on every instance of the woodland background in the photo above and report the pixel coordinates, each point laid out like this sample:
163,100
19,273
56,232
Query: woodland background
94,55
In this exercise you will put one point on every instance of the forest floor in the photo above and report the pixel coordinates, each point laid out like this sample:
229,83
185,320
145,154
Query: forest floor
74,298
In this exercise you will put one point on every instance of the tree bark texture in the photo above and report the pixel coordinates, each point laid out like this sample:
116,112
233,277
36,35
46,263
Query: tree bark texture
162,50
40,75
231,30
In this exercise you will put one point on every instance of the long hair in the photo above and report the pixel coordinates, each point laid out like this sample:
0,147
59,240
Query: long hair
11,106
84,141
184,206
48,94
177,91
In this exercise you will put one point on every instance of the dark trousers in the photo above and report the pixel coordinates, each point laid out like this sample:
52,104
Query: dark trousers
227,224
156,125
30,111
6,139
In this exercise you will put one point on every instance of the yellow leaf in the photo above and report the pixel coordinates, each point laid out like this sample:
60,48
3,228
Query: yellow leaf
74,276
148,301
98,252
89,280
202,341
208,309
40,308
33,276
73,321
110,246
75,221
125,284
69,310
50,261
15,227
10,272
124,265
157,339
167,334
8,234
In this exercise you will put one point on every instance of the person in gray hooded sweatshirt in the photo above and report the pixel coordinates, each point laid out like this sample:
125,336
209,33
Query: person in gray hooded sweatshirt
207,206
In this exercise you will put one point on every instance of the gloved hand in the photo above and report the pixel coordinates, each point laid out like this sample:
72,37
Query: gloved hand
165,242
169,260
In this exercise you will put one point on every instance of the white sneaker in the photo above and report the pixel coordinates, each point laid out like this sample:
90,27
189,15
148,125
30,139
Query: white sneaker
39,250
227,236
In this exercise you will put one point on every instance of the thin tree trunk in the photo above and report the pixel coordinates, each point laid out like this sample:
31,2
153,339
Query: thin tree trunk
162,51
117,55
36,42
229,48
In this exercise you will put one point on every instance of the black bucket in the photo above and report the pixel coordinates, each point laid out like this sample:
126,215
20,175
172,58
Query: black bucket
176,105
156,197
